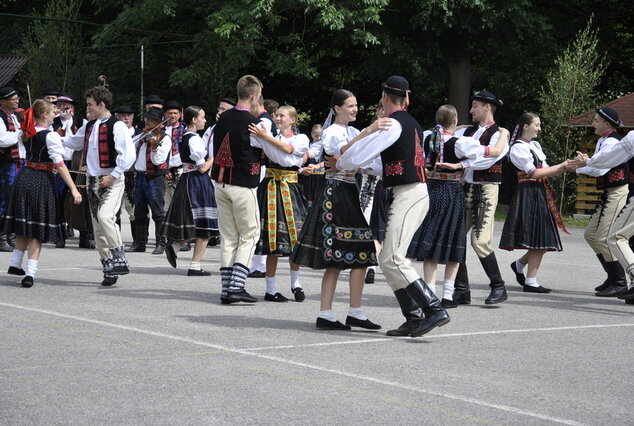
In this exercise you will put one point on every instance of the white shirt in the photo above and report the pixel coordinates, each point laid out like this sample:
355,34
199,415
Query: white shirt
8,139
67,130
197,149
158,157
175,160
482,163
299,143
208,139
125,150
521,155
592,169
614,154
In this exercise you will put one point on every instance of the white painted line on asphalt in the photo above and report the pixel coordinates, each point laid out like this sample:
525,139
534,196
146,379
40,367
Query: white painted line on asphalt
439,336
398,385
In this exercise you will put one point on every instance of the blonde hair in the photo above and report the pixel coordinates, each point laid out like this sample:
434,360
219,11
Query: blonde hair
446,115
41,107
292,112
247,85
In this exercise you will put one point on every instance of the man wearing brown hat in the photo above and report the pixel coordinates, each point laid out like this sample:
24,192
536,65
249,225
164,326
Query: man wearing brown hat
482,187
10,154
403,164
613,183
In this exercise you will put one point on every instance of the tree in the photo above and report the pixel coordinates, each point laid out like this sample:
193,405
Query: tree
570,91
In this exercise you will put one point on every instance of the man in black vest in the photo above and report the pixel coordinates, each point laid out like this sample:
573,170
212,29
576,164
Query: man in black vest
236,175
481,195
403,163
149,191
613,183
10,155
108,153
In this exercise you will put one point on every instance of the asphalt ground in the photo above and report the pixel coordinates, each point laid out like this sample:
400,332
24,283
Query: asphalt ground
159,348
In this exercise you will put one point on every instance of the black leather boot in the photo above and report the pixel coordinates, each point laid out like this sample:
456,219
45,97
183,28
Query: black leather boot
461,292
11,239
140,237
607,282
618,282
86,240
411,311
435,314
4,246
160,241
498,290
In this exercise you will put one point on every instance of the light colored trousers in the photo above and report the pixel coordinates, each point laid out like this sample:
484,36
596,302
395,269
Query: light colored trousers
105,203
484,211
619,238
603,219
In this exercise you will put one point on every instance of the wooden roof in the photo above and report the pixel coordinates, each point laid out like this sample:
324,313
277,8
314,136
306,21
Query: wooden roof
9,67
623,105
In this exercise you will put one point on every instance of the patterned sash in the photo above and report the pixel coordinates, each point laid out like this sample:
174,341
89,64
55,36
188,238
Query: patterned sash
284,177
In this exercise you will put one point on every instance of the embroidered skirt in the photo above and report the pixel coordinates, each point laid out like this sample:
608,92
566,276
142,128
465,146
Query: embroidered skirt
530,224
282,212
34,210
443,234
193,212
335,233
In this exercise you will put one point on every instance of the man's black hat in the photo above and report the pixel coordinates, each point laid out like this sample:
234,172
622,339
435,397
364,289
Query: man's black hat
154,99
154,113
172,105
396,85
228,101
124,109
66,97
7,92
51,90
610,115
487,97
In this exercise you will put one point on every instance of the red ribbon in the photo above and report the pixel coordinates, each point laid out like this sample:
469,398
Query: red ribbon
28,125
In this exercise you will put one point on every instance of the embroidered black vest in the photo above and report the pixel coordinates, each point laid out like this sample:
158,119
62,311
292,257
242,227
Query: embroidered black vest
236,161
36,149
183,149
106,149
494,173
617,176
404,161
10,153
151,169
449,152
77,123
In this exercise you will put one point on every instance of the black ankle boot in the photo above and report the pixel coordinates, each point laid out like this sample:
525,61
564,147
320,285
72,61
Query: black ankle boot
618,282
607,282
498,290
410,310
461,293
435,314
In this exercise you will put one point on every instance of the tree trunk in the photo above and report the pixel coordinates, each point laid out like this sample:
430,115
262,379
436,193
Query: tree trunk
458,59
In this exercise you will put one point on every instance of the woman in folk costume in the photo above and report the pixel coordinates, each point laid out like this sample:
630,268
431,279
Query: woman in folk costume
282,204
335,235
442,238
533,216
192,213
34,213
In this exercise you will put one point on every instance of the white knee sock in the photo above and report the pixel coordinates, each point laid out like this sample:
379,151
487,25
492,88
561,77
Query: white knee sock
447,289
16,258
531,282
295,279
519,266
271,288
327,315
357,313
31,267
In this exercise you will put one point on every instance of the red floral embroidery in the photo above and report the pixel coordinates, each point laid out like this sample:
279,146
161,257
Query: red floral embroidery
255,168
395,168
616,176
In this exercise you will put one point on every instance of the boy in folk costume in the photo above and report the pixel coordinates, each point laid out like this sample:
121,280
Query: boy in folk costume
236,173
108,153
403,164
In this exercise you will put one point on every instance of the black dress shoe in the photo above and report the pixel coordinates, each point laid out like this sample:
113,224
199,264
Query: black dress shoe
405,329
136,248
628,295
109,280
462,297
299,294
431,321
241,296
159,249
612,291
604,286
27,281
15,271
277,297
521,279
369,276
60,244
497,295
197,273
171,255
448,304
367,324
324,324
538,289
256,274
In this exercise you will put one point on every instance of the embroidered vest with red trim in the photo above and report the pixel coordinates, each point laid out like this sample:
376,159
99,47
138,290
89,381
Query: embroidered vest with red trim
35,148
616,176
177,136
151,169
77,123
404,160
107,152
236,161
493,173
11,153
